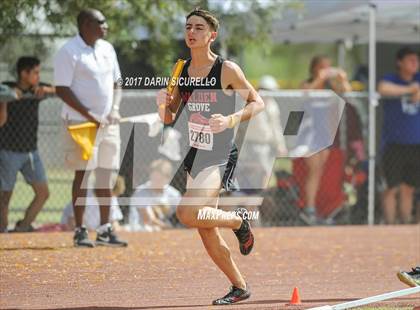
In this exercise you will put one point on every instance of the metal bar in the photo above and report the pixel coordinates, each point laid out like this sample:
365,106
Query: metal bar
373,102
372,299
369,300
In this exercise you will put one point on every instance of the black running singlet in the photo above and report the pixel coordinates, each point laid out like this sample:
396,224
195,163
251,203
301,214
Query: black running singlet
199,102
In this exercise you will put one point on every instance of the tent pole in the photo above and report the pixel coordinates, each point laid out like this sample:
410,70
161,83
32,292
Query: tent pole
341,55
373,102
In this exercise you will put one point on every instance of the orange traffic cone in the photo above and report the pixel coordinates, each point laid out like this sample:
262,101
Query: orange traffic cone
295,300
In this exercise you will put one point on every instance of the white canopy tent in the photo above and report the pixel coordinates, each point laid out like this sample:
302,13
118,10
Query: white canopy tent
356,21
324,21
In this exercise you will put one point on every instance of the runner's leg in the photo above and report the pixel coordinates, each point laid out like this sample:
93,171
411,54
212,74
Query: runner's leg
204,190
220,254
206,187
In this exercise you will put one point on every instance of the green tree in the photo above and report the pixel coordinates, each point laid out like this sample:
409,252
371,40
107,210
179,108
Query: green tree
241,22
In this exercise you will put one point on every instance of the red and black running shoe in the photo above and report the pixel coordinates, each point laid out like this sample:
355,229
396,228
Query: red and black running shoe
244,233
235,294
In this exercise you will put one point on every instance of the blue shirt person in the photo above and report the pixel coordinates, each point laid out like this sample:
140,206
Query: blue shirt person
401,135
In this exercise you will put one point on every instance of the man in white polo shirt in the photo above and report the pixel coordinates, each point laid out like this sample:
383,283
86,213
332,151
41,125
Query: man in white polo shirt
85,73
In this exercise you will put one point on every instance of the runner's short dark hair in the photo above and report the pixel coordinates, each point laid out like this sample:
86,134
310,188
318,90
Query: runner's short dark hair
405,51
209,17
26,63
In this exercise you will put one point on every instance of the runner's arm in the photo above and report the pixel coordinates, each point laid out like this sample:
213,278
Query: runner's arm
237,80
168,105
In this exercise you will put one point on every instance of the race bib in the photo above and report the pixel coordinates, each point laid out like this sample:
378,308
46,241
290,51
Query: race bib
200,136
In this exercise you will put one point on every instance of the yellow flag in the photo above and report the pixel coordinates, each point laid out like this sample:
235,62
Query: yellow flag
84,135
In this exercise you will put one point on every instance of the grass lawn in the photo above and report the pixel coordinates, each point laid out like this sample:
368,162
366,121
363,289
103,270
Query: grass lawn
59,182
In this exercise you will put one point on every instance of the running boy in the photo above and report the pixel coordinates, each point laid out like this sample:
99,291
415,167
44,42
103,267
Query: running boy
205,91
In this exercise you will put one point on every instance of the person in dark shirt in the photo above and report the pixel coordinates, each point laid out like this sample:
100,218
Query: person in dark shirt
18,143
6,94
401,136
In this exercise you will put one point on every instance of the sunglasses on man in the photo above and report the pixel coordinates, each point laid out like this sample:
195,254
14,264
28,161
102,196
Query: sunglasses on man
99,21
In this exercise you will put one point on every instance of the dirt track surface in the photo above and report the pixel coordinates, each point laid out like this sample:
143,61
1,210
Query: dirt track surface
170,269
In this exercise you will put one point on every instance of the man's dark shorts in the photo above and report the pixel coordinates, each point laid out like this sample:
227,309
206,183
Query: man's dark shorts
401,164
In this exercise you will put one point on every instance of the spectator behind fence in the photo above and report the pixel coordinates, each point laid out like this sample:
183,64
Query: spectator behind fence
3,113
322,76
18,143
86,71
342,165
7,94
91,218
151,208
401,135
264,140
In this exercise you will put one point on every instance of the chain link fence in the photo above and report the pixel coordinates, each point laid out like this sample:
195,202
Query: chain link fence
342,173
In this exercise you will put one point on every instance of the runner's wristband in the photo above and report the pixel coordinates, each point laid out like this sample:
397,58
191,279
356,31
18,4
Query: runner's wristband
233,121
